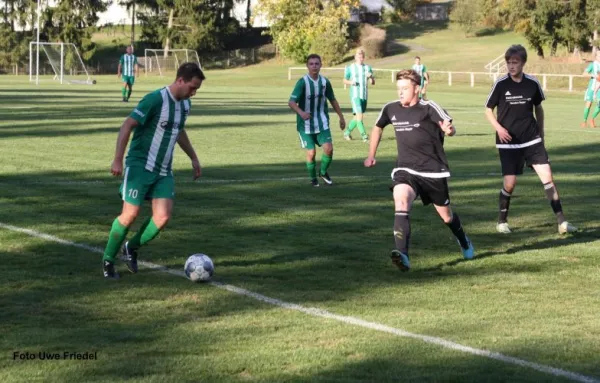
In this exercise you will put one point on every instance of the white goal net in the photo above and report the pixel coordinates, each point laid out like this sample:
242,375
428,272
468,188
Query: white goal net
161,61
57,61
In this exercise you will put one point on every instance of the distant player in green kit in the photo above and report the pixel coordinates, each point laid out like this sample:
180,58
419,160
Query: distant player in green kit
592,70
309,101
129,69
157,124
421,70
358,75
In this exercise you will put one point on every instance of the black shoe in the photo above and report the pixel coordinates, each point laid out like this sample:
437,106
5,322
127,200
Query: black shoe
124,99
130,258
109,270
325,177
314,182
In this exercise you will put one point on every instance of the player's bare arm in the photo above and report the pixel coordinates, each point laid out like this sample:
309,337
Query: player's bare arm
539,116
503,134
375,139
293,106
448,128
137,70
122,139
349,82
338,110
119,70
184,143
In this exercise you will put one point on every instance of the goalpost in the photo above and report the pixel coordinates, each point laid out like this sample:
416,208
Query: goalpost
156,61
62,61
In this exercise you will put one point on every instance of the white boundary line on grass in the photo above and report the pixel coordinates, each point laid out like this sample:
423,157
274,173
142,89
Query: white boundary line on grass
328,315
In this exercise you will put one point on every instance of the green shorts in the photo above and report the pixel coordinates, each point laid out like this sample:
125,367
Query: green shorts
140,184
589,93
359,106
128,79
309,140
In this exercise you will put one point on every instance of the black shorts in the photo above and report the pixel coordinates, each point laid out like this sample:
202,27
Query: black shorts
514,160
431,190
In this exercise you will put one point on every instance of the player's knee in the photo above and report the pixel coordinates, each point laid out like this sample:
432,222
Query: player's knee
310,155
161,220
127,218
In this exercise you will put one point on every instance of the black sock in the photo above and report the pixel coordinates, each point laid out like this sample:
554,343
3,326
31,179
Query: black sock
402,231
503,205
552,196
458,231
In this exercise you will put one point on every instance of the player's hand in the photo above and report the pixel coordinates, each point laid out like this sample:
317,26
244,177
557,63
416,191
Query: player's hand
447,127
305,116
342,123
370,162
117,167
503,135
197,168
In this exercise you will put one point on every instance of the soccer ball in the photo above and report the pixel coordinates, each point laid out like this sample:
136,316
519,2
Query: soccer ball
199,267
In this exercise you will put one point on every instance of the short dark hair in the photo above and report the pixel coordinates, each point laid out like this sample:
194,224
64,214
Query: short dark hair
409,74
313,56
417,57
187,71
516,50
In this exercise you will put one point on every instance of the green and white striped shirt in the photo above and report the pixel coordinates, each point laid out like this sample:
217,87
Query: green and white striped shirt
311,96
421,70
160,118
593,69
358,75
128,63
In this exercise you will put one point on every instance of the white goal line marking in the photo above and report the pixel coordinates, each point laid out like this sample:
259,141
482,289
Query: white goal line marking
328,315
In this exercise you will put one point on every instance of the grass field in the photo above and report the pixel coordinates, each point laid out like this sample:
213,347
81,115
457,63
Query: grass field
532,295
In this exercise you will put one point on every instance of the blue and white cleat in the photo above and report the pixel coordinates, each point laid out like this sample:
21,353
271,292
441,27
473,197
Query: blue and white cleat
400,260
468,253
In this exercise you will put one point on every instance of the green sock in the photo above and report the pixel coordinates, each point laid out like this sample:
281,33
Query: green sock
123,90
586,113
325,162
596,111
129,93
361,129
117,235
147,233
351,127
312,171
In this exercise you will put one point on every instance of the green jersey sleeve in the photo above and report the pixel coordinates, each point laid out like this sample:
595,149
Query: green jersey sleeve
135,60
147,108
347,73
424,69
298,92
590,68
329,91
370,71
122,59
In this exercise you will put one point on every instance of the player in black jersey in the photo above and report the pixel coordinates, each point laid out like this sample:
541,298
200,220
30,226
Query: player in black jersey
520,134
421,167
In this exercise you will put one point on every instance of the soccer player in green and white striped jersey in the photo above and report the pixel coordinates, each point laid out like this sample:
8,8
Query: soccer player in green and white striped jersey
309,101
591,93
358,75
129,68
421,70
157,124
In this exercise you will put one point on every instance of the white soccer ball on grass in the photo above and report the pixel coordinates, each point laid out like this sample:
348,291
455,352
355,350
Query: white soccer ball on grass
199,268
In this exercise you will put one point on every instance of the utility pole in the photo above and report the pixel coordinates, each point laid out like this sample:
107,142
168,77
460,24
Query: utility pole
132,22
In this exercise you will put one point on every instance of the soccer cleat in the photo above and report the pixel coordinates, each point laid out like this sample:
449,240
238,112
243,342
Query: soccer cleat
503,228
325,177
469,252
347,137
109,270
583,124
130,258
314,182
365,139
400,260
592,123
124,99
566,227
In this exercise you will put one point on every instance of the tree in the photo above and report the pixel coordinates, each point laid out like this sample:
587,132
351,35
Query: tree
467,14
593,20
299,28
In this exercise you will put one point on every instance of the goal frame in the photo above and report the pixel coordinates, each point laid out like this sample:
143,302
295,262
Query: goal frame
58,72
150,53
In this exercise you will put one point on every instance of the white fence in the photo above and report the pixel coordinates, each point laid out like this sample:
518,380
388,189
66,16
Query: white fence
571,82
